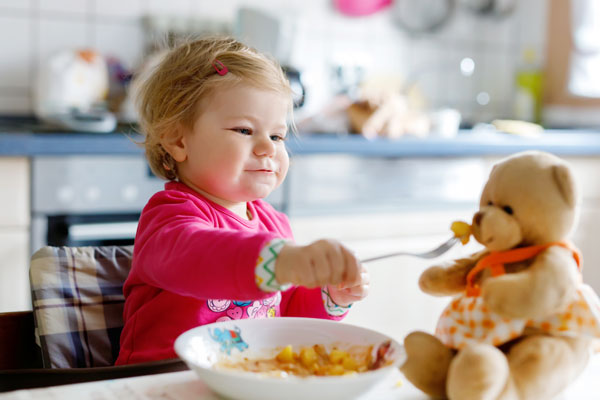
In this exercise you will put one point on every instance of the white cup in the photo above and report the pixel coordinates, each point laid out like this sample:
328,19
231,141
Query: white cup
445,122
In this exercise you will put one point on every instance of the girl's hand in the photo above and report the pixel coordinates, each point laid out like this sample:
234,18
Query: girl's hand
321,263
344,295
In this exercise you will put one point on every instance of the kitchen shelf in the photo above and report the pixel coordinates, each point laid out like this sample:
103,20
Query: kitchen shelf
466,143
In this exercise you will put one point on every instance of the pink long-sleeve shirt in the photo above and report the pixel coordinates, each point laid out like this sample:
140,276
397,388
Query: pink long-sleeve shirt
193,264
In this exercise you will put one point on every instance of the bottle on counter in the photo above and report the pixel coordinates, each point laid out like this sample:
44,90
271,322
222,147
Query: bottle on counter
529,85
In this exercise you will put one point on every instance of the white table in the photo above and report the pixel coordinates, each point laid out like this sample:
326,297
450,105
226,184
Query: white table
185,386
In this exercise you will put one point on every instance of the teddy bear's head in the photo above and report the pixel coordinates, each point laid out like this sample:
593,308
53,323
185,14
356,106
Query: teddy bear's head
530,198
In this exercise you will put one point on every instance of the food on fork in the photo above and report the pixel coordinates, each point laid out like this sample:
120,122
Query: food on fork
462,231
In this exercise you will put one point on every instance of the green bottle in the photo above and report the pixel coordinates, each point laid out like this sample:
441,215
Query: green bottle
528,91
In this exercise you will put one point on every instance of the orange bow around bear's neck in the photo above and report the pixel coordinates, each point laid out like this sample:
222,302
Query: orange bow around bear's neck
496,259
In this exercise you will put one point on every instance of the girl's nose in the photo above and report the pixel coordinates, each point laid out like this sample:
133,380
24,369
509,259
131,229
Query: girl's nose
264,146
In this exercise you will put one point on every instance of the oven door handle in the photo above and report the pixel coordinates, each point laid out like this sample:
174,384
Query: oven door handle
100,231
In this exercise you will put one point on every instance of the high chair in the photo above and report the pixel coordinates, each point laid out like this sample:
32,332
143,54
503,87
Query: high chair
72,334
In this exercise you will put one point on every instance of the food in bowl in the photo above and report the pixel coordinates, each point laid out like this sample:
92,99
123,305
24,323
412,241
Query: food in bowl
206,347
315,360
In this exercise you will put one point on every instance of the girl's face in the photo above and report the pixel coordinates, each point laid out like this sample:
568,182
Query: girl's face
235,151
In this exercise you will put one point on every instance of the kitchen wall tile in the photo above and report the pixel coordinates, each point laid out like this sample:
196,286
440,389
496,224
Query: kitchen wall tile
463,87
466,27
8,5
177,7
14,65
57,35
271,6
316,25
309,47
129,52
69,7
317,75
347,28
474,114
227,10
119,8
500,32
532,17
15,103
482,114
325,39
316,8
503,109
498,78
382,26
426,67
459,27
390,57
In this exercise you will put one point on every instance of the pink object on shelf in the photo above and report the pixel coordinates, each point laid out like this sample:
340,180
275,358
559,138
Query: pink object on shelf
360,7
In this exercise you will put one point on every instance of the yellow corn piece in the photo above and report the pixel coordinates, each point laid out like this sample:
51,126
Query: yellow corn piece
336,370
461,230
349,363
308,356
286,355
315,369
337,356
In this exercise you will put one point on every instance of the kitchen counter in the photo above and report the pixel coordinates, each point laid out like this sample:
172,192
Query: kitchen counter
466,143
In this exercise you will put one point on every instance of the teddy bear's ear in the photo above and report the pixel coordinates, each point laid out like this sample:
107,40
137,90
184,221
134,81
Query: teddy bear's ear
565,182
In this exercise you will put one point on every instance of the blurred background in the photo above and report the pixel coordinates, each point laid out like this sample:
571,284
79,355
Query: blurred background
402,107
485,58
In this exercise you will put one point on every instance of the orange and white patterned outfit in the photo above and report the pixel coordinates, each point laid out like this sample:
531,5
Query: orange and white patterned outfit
467,319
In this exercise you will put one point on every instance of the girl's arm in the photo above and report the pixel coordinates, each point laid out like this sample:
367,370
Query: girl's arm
296,301
179,249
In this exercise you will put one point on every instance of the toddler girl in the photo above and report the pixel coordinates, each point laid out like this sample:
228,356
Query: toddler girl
215,113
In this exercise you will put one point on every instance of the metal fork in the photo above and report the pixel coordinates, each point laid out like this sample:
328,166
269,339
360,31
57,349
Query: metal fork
438,251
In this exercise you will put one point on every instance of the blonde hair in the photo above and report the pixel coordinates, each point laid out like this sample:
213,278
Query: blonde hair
167,95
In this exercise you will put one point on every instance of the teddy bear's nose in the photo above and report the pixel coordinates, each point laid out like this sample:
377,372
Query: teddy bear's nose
477,218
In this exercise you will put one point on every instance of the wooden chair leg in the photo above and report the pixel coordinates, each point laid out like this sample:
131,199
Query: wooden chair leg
18,349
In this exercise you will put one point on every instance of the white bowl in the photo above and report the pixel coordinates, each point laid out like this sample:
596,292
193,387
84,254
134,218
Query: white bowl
200,349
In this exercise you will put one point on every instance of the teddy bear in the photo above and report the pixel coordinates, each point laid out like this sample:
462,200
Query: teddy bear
521,324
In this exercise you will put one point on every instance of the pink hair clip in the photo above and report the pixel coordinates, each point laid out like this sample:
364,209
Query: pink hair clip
219,67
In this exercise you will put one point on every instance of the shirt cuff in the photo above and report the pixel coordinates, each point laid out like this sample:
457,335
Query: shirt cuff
330,307
264,273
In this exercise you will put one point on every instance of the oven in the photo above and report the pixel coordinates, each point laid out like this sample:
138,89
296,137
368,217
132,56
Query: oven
88,200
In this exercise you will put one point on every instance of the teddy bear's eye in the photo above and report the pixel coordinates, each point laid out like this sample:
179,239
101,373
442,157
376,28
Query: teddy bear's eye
490,203
508,210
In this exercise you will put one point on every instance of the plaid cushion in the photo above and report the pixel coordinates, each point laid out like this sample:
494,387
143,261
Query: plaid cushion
77,295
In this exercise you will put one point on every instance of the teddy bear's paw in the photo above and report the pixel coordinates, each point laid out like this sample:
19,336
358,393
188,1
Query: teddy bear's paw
427,361
478,372
543,365
508,297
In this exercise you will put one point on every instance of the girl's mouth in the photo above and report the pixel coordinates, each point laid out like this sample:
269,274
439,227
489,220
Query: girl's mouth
264,170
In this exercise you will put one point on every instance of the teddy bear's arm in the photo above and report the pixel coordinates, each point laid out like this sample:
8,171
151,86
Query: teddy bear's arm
548,285
449,278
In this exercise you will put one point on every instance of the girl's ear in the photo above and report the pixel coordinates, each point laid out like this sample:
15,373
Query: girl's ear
173,142
563,177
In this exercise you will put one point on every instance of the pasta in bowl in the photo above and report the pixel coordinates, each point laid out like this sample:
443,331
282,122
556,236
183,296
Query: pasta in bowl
289,358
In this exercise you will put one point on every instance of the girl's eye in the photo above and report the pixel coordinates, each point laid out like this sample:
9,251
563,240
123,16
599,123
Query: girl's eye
278,138
243,131
508,210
